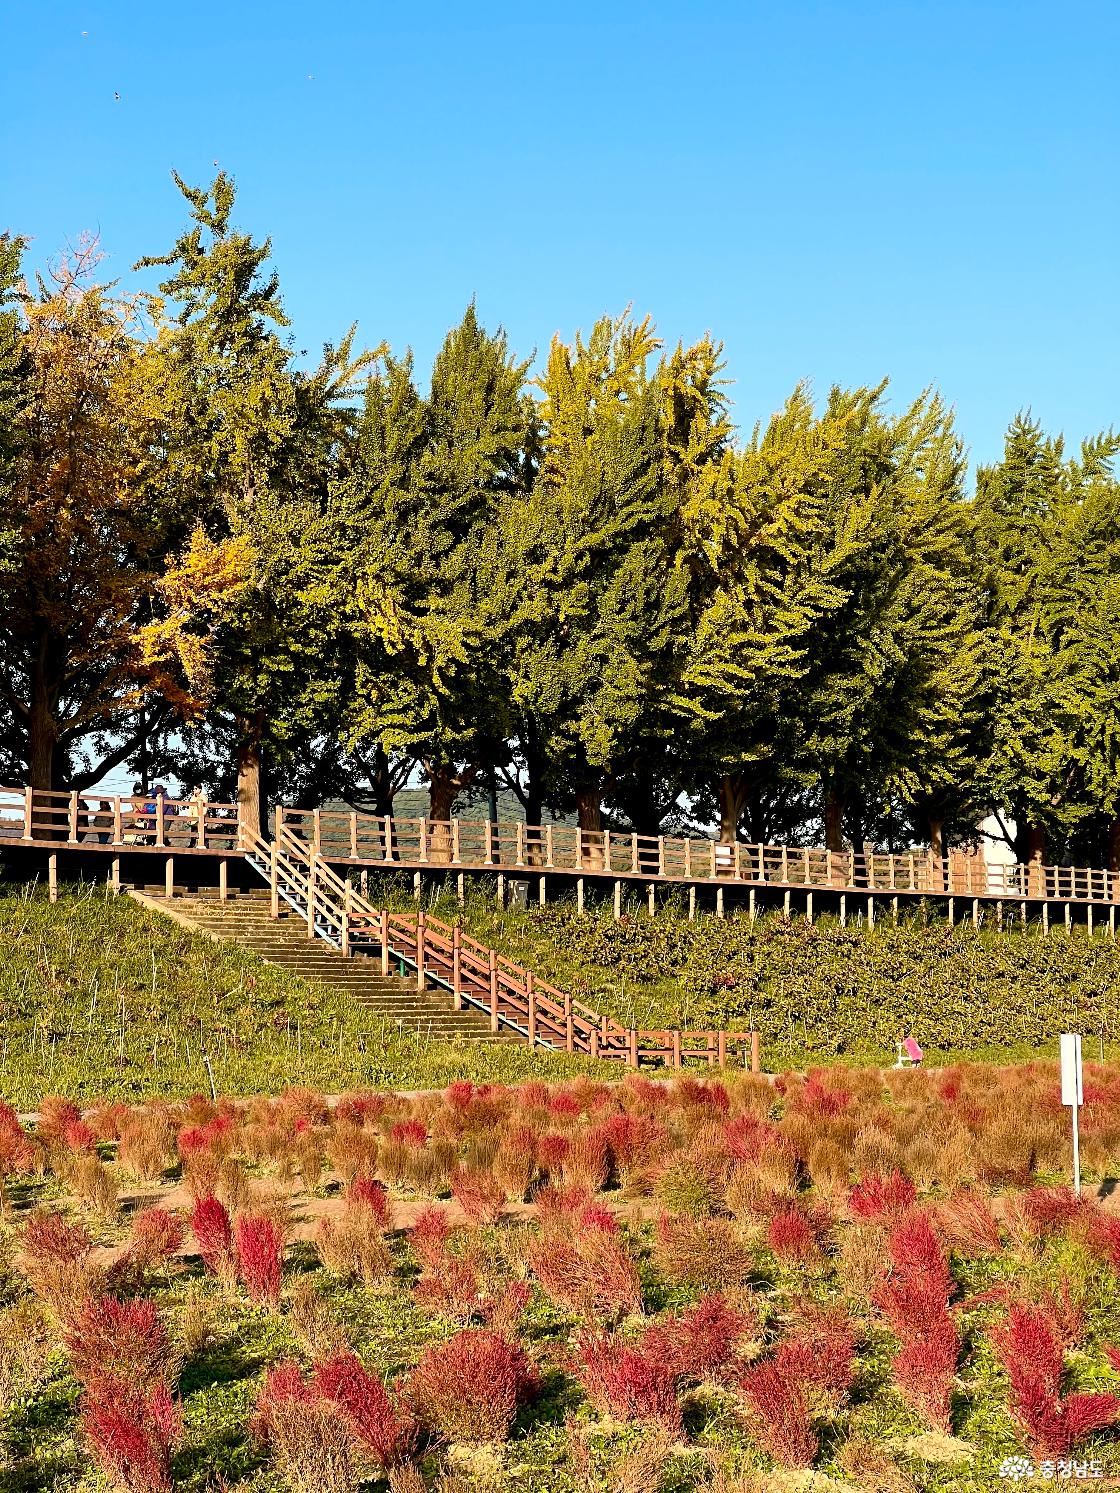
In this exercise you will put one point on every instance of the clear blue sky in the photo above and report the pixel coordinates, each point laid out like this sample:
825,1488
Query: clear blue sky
838,190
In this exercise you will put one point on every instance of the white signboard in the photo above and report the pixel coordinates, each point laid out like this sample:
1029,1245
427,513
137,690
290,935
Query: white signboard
1073,1096
1071,1069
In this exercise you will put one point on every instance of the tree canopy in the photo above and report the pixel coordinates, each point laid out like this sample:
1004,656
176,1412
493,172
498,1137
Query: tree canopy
222,560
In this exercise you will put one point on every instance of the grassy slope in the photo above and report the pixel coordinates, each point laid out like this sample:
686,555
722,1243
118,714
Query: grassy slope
99,997
818,993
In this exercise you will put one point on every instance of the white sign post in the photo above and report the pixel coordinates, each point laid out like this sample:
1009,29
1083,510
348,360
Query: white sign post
1073,1096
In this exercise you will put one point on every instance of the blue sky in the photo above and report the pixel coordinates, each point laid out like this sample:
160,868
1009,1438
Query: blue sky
839,191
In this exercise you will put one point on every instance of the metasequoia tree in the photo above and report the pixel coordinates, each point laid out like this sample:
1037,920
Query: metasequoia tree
93,633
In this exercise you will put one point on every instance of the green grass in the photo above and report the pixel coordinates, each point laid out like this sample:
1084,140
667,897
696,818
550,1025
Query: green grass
818,993
99,997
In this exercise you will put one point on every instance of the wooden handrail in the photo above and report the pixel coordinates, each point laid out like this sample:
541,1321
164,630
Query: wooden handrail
475,974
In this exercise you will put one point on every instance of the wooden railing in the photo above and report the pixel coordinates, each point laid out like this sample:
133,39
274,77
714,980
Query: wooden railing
157,822
377,840
477,977
103,819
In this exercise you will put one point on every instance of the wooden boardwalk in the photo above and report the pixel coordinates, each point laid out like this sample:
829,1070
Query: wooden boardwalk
562,857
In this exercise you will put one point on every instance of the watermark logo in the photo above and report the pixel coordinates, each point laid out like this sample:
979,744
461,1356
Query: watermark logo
1022,1469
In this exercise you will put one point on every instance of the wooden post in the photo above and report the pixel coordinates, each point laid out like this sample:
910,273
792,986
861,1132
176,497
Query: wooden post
633,1048
692,902
785,903
200,825
579,895
785,862
752,910
1089,918
1046,917
383,920
617,900
894,909
531,998
424,839
461,889
274,883
809,906
223,880
115,873
756,1054
493,990
52,876
676,1049
912,884
417,886
651,901
353,837
594,1042
661,855
29,813
457,967
489,843
952,911
843,909
311,895
159,820
388,851
72,819
421,940
346,914
549,859
1069,917
1111,921
455,842
719,901
118,832
569,1026
543,891
607,850
169,877
688,858
363,884
871,912
520,843
635,863
501,889
721,1049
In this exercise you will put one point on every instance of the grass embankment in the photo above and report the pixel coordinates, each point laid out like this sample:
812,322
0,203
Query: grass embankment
99,997
817,993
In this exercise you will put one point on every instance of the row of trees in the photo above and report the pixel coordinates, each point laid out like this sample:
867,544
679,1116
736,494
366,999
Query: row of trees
218,561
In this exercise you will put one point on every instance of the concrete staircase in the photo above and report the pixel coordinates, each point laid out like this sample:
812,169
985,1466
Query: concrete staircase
244,920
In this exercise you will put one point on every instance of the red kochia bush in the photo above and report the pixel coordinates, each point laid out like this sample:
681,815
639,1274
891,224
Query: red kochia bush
636,1382
699,1343
915,1301
120,1340
388,1431
1052,1423
428,1237
791,1238
131,1433
779,1412
882,1197
213,1234
259,1245
470,1387
477,1193
364,1192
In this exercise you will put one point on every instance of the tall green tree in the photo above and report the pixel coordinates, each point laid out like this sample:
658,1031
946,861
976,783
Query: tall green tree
416,524
257,439
594,598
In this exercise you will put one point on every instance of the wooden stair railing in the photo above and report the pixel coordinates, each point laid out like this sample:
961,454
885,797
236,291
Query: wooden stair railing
476,976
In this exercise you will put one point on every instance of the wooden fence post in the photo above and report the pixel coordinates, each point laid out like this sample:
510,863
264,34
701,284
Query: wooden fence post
223,880
274,883
633,1054
347,896
29,813
676,1049
520,832
531,997
72,818
52,876
160,825
579,895
169,878
489,843
118,831
421,950
721,1049
457,967
455,842
493,990
756,1055
383,920
569,1027
311,896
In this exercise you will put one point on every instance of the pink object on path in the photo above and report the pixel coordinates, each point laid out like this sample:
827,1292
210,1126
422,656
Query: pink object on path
912,1050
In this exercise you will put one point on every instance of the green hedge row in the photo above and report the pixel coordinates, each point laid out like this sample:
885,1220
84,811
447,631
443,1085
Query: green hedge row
820,991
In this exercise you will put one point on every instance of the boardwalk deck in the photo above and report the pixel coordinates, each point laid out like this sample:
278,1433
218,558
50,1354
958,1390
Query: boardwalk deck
558,854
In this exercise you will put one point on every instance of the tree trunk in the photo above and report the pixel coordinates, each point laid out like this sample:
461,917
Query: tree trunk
1114,846
250,776
589,808
443,786
42,727
834,819
733,795
937,838
1031,849
381,781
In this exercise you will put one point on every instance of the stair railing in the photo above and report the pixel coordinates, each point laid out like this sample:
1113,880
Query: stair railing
511,996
